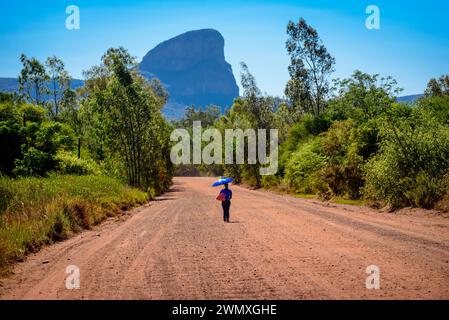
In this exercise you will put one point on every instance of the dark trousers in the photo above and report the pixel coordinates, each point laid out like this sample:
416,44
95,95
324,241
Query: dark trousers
226,205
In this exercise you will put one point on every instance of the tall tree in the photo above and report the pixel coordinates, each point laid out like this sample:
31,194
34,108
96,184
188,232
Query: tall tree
257,107
60,81
255,111
310,67
127,108
33,78
438,87
69,110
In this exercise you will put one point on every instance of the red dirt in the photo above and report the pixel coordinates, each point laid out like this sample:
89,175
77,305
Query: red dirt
278,247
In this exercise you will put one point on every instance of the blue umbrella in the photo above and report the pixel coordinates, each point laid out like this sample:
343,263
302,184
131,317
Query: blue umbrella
222,181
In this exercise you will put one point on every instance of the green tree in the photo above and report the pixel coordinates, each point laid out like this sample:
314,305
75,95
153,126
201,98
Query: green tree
127,116
207,117
257,111
60,82
362,97
70,111
310,67
258,108
32,79
438,87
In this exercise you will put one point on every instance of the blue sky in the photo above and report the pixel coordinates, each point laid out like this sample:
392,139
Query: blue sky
412,44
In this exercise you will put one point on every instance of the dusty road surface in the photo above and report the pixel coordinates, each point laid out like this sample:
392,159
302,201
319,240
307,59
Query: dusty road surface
277,247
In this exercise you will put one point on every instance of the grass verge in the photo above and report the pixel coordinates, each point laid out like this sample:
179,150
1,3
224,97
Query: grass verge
39,211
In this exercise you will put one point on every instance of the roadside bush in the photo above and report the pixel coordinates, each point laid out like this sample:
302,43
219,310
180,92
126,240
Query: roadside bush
382,175
234,171
151,193
270,181
41,143
251,176
443,204
303,171
34,162
389,183
345,144
54,136
68,163
412,165
425,191
308,127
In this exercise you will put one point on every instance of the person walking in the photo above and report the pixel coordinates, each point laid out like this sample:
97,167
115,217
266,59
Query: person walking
226,194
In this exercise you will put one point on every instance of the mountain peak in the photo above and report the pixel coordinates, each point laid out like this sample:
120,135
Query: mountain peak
187,48
193,68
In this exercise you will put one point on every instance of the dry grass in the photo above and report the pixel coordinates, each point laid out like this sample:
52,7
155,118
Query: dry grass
39,211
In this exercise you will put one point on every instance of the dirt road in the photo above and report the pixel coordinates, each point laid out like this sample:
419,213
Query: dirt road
277,247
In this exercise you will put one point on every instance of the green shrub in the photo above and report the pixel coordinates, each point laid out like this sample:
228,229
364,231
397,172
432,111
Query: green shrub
345,144
31,112
54,136
425,191
270,181
42,142
34,162
382,177
388,181
307,127
251,176
303,171
438,106
151,193
412,165
68,163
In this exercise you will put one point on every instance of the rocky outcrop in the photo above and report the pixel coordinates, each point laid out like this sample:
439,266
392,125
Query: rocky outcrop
193,69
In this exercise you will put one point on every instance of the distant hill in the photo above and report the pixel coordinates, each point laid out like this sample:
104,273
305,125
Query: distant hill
9,84
193,68
409,99
12,85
